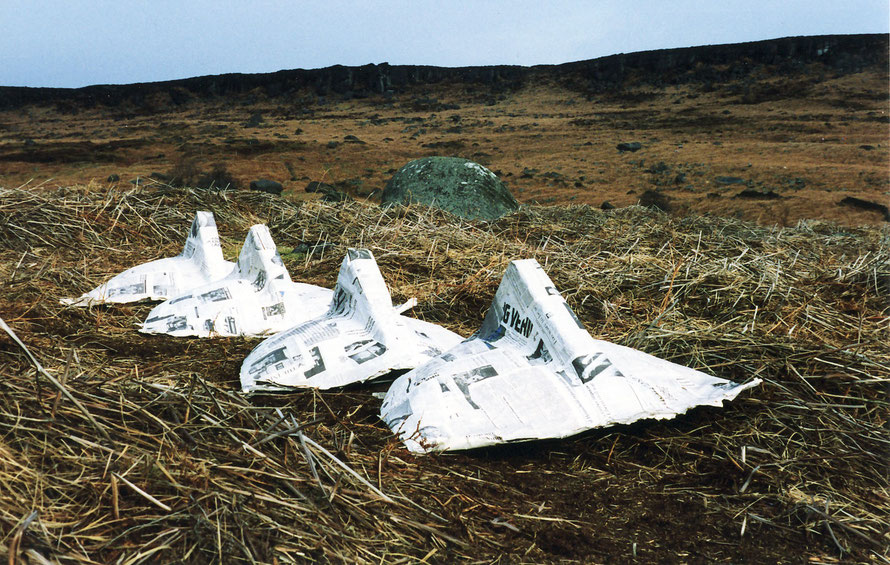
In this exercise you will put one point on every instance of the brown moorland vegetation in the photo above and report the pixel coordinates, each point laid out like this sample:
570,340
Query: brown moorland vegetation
769,143
167,461
121,448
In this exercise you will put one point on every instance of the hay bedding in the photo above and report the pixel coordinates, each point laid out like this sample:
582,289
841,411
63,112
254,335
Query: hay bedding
166,461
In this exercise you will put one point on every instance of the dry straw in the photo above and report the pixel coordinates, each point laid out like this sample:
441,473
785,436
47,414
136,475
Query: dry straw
123,448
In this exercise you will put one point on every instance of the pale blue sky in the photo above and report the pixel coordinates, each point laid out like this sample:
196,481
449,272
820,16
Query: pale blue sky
73,43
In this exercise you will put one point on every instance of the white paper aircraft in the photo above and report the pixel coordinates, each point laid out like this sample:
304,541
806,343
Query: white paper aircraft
360,337
531,372
257,298
200,262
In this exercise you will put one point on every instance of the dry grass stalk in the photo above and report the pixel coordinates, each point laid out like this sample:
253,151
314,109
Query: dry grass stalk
194,471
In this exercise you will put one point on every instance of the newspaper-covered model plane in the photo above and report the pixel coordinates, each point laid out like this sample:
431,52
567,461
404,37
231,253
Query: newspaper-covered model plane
360,337
532,372
200,262
257,298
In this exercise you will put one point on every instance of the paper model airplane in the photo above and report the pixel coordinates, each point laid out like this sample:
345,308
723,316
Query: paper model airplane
360,337
531,372
200,262
257,298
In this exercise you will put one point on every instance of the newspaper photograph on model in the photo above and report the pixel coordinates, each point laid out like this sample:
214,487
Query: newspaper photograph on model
257,298
360,337
533,372
200,262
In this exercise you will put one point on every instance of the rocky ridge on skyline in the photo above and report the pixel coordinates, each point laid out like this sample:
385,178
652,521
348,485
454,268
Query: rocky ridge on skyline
704,65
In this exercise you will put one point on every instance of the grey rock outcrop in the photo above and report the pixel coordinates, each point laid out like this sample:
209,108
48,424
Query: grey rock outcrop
265,185
456,185
631,146
866,205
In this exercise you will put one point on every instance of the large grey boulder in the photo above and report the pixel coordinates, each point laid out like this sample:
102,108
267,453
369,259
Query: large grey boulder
266,185
459,186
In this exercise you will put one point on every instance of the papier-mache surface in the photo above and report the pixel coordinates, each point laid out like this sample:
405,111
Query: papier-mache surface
532,372
257,298
200,262
360,337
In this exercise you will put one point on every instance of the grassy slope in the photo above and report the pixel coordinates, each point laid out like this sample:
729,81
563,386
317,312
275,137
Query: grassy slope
811,138
794,469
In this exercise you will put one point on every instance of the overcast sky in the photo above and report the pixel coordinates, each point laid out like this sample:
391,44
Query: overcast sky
71,43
